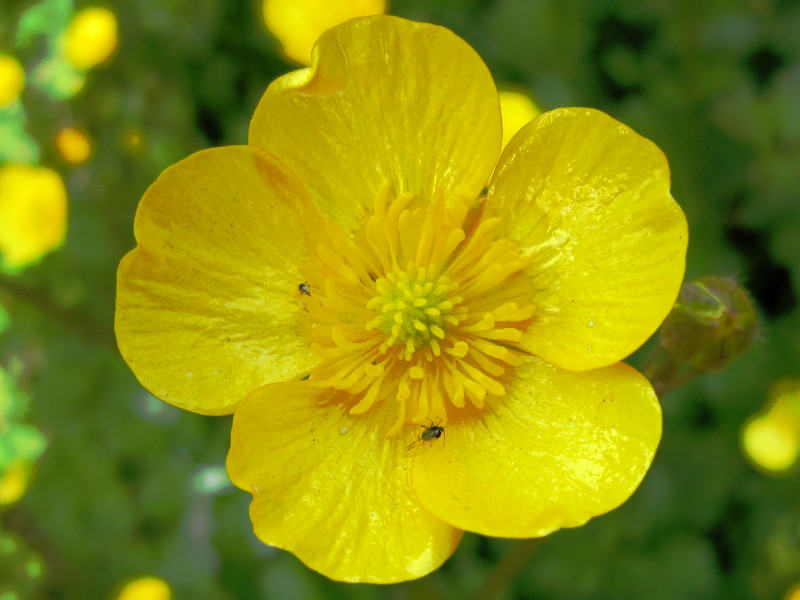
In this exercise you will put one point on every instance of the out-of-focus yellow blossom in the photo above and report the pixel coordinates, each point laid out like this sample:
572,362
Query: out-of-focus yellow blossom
91,37
345,286
517,111
298,23
793,592
12,79
73,145
33,213
14,481
771,438
146,588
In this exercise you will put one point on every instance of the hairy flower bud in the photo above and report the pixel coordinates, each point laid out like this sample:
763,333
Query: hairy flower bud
712,323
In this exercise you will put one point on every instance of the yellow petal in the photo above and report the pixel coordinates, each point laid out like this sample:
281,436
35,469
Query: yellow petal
12,79
331,489
560,448
517,110
588,199
298,23
208,303
33,213
387,100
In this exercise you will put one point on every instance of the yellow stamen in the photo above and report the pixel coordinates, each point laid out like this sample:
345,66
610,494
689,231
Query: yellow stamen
417,311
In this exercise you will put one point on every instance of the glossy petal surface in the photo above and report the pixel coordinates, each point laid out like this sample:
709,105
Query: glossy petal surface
208,307
383,103
588,199
331,489
560,448
298,23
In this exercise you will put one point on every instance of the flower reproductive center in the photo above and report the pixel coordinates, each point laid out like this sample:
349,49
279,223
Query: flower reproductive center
423,310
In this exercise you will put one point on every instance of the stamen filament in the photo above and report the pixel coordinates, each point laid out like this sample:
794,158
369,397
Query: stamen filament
417,310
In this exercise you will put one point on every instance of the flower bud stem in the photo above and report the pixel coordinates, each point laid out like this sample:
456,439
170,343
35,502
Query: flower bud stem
85,328
666,373
499,578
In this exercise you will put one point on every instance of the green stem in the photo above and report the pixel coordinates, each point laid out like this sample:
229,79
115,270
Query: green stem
89,330
667,373
505,571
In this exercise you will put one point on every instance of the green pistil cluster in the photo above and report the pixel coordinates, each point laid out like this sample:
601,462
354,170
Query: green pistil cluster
414,312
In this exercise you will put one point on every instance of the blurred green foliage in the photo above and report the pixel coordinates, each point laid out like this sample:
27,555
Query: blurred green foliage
129,486
17,145
20,442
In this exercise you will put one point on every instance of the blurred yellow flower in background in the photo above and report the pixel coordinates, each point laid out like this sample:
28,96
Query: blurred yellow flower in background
33,213
12,79
14,481
771,437
342,284
74,146
146,588
793,593
298,23
90,38
517,110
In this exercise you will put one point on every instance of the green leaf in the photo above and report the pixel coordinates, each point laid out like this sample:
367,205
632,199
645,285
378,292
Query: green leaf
5,319
48,18
21,443
57,78
15,143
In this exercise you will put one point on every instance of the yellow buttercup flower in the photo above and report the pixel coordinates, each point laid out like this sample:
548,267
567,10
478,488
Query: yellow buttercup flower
793,593
407,358
91,37
771,437
12,79
73,145
33,213
146,588
14,481
298,23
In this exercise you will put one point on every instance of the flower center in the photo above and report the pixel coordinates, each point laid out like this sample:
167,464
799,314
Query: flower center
420,314
414,311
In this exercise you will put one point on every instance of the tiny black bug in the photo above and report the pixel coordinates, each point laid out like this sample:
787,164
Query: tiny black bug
304,288
432,432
